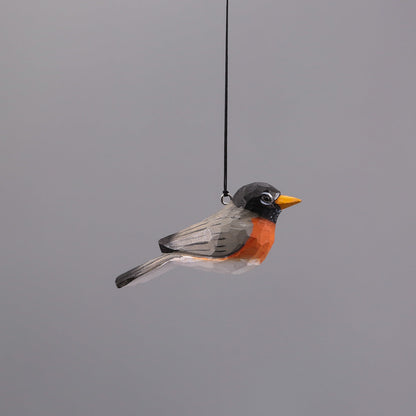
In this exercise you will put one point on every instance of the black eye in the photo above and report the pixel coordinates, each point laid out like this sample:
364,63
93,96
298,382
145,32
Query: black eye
266,198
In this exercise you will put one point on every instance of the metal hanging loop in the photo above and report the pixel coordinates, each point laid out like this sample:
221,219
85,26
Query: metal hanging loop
227,195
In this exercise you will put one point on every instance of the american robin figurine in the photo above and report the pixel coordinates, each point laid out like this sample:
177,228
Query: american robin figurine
235,239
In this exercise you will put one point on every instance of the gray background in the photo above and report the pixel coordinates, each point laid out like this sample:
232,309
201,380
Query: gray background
111,137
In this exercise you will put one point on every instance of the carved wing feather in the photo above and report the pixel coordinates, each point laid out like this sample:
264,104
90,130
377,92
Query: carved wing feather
220,235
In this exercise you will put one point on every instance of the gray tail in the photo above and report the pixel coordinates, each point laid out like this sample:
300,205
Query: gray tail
146,271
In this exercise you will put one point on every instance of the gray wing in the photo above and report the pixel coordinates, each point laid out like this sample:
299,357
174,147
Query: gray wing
220,235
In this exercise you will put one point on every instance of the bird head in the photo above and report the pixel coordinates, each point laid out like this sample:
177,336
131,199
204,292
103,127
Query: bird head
263,199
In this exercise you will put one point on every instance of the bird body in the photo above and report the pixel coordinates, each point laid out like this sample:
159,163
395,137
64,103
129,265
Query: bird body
233,240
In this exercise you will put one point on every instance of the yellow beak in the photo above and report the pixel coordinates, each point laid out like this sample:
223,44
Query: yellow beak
285,201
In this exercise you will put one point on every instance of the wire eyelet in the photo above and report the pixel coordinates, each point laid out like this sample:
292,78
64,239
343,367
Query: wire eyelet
223,196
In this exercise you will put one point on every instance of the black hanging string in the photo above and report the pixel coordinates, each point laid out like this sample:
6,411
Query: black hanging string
225,192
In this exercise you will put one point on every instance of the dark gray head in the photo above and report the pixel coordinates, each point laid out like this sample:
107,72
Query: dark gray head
263,199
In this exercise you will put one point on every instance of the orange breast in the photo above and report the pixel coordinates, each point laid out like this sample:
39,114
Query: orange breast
259,243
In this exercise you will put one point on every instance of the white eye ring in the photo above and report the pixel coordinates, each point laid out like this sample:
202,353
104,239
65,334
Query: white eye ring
266,198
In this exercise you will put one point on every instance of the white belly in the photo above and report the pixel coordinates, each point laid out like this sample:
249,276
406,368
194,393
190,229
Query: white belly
236,266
